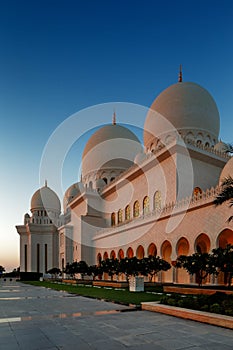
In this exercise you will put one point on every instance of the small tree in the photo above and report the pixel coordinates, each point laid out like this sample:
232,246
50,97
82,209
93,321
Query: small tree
81,268
94,271
154,264
54,271
110,266
70,269
200,264
223,258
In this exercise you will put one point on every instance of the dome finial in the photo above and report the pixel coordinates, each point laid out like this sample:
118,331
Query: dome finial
46,183
114,118
180,75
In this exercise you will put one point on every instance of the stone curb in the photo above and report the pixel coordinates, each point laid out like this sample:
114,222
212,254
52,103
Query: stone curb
200,316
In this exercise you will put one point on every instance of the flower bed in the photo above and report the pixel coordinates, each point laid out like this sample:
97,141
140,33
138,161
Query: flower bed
218,303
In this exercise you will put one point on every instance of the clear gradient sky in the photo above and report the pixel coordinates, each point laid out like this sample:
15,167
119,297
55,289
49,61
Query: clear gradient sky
58,57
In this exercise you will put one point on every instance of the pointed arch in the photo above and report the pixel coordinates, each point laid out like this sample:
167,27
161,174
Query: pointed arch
157,200
140,252
152,250
136,209
113,254
120,254
146,205
127,212
202,243
129,253
120,216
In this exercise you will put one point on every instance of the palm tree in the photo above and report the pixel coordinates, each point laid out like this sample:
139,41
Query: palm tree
226,194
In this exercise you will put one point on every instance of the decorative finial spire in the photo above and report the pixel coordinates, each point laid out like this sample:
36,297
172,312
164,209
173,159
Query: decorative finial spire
180,75
45,183
114,118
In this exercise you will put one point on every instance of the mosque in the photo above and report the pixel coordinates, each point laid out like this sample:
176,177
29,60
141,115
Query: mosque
139,200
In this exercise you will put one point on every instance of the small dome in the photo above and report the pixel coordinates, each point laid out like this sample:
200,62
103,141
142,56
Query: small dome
221,147
45,198
227,171
111,147
186,107
72,192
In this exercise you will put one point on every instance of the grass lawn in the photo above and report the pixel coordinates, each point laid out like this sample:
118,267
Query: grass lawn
115,295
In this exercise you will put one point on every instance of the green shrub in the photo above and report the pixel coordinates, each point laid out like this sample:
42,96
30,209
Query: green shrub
164,299
204,308
216,308
172,302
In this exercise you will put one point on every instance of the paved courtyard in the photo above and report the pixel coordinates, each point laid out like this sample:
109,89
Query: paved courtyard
38,318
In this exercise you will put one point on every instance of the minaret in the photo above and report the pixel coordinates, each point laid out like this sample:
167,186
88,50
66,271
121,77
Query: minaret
180,75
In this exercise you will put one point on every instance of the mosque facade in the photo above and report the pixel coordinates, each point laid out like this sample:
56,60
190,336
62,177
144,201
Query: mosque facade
139,200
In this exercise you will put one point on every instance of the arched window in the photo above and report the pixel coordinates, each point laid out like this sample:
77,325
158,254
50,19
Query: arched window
113,219
120,216
136,209
157,200
127,212
146,205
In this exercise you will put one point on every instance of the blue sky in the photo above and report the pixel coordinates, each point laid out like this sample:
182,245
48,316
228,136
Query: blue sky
58,57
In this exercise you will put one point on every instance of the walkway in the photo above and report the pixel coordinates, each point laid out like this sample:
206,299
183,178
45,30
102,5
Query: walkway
37,318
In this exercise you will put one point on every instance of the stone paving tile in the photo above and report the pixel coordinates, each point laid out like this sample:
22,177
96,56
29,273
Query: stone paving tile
52,325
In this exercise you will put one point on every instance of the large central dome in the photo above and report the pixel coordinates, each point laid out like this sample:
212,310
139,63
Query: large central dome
111,148
186,107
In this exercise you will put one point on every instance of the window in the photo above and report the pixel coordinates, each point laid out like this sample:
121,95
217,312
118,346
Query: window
127,212
136,209
113,219
146,205
157,200
120,216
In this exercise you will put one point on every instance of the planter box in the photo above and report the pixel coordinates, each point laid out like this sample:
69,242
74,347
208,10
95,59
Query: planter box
194,315
136,284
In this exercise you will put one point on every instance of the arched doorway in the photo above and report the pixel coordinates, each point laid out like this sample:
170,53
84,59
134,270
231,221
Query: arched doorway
99,258
140,252
112,255
182,248
152,250
120,254
166,252
225,238
129,253
202,243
